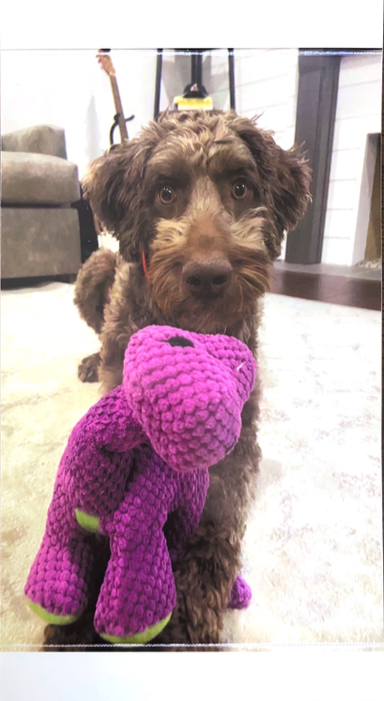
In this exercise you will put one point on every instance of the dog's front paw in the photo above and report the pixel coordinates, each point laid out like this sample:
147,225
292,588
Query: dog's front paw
88,370
196,621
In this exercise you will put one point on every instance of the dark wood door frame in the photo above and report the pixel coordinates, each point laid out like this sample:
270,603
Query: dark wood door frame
315,121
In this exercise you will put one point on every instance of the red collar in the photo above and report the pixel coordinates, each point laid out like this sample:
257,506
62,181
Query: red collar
144,263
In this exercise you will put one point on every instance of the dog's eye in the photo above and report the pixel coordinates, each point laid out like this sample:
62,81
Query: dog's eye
239,190
166,195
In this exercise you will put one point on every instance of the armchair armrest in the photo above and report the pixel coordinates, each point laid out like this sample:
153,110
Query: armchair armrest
46,139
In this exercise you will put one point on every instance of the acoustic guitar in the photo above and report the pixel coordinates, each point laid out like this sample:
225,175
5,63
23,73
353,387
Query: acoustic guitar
119,120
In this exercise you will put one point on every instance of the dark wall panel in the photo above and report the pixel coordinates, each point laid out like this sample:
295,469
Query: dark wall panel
316,111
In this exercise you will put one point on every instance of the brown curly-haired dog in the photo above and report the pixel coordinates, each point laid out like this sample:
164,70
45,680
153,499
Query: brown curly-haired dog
199,202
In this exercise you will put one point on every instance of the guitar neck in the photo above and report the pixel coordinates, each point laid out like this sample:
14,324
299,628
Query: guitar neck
118,108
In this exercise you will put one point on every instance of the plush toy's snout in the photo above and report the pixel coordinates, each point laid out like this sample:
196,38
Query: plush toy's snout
187,392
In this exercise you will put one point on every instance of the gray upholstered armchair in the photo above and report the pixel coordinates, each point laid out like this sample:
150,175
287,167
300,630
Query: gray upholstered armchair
39,222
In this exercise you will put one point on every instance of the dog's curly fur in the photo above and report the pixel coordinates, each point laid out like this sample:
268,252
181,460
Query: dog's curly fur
194,189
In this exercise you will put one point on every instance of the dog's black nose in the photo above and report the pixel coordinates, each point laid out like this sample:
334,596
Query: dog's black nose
207,278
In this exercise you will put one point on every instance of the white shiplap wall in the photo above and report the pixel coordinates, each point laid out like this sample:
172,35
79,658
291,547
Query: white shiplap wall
266,85
358,114
69,89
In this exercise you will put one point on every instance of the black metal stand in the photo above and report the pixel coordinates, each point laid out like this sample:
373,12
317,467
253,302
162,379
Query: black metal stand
231,71
196,75
159,71
116,124
197,67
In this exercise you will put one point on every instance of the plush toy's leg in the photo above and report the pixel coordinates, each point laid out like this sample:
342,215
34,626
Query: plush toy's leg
138,594
241,594
183,522
58,580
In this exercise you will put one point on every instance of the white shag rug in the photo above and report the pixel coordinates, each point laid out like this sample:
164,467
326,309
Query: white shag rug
313,548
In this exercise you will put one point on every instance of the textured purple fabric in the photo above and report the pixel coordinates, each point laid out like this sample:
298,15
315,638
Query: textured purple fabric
186,401
131,462
241,594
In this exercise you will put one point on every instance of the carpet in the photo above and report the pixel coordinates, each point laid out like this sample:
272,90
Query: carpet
313,546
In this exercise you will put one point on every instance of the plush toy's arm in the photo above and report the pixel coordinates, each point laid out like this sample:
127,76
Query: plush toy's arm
98,457
138,592
109,424
186,511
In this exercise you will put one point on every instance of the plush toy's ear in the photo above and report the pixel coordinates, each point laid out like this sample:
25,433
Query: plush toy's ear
285,176
113,187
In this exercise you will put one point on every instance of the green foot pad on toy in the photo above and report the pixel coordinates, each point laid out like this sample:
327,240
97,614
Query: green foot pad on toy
49,617
86,521
57,588
138,638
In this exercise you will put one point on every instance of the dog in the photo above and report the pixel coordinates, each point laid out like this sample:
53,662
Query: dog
199,202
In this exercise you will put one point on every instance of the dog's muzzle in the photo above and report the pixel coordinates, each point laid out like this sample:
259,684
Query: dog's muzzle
207,278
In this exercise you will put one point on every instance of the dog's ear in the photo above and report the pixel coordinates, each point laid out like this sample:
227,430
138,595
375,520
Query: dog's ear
111,183
113,188
285,177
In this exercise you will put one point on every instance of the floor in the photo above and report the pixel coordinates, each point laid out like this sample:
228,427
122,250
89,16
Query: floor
353,287
357,286
356,272
313,547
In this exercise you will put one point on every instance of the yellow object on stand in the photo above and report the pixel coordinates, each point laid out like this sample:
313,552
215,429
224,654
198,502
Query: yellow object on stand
192,103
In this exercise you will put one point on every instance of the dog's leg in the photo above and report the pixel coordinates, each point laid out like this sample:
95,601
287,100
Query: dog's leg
93,287
117,330
207,570
92,294
204,579
88,370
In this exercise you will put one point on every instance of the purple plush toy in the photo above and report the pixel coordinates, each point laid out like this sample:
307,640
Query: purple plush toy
140,454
